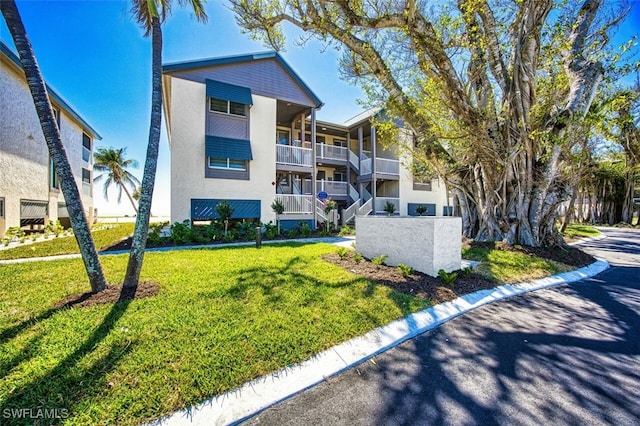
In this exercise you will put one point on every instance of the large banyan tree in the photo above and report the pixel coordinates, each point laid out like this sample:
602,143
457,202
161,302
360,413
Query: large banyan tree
492,90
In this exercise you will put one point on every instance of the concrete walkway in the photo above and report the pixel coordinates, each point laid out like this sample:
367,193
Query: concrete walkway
240,404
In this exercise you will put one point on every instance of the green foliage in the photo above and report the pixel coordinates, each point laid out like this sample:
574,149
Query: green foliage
449,278
379,260
357,258
580,231
421,210
342,252
246,231
270,230
54,227
405,270
292,233
15,232
154,233
305,229
223,317
181,233
329,205
224,210
466,272
346,230
389,207
277,206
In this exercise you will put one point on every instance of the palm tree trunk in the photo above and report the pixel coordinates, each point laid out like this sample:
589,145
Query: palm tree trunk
141,232
54,144
133,204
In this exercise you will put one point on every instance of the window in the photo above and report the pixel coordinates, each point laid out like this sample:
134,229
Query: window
282,137
339,142
340,176
86,176
1,207
53,176
86,147
227,164
227,107
56,115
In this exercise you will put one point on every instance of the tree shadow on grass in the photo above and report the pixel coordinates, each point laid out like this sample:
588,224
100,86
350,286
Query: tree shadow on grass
69,382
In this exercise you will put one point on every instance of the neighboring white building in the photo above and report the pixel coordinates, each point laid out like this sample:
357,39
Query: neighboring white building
29,189
244,129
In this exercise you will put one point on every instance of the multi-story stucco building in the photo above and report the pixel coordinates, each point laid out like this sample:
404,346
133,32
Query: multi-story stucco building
30,193
244,129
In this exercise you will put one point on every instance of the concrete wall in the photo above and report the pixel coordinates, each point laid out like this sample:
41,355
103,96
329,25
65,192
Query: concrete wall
24,158
427,244
188,111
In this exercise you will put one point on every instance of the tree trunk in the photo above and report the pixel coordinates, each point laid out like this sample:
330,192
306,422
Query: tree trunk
55,146
133,204
141,232
627,205
569,213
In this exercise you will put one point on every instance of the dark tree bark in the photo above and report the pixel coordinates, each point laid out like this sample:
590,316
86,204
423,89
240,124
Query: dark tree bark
54,144
141,233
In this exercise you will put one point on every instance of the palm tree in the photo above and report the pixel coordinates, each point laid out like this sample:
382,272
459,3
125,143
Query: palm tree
150,14
53,139
113,166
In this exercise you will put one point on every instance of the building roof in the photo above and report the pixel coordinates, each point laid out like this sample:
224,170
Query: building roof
6,51
204,63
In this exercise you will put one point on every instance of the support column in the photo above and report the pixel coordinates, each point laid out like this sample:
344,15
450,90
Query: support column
373,167
349,202
314,166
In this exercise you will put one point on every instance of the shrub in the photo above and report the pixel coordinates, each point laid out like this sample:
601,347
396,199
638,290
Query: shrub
346,230
270,230
357,258
305,229
154,233
292,233
389,207
343,252
181,233
467,271
379,260
449,278
54,227
246,231
14,232
421,210
405,270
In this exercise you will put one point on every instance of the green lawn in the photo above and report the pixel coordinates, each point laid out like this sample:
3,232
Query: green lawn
576,231
103,238
222,317
512,267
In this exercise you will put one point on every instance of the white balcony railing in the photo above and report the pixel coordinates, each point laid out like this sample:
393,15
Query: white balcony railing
387,166
331,152
381,202
296,204
332,188
293,155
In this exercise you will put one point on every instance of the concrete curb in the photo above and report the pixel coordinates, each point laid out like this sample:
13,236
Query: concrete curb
253,397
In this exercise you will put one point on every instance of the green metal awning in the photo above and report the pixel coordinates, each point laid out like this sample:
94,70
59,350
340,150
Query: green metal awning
234,149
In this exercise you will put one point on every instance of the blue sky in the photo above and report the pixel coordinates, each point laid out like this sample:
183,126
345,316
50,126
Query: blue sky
94,54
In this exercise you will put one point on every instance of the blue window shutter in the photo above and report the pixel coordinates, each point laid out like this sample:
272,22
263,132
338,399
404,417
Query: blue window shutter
229,92
234,149
205,208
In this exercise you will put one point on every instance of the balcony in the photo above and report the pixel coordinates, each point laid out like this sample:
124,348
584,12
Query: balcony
331,152
333,188
386,166
294,156
296,204
381,202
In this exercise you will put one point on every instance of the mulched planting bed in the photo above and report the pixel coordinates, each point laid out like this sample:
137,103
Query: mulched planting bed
417,284
112,294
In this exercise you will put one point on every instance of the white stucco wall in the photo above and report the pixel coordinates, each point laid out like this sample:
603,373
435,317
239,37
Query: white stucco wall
437,195
188,103
24,158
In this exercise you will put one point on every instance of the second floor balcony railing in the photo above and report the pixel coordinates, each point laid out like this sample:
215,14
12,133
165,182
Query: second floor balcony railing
331,152
332,188
296,204
387,166
294,156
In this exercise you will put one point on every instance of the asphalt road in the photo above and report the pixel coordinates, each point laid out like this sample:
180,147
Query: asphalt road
569,355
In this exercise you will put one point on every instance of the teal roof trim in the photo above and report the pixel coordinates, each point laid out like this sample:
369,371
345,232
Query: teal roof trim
229,92
54,95
205,208
234,149
203,63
